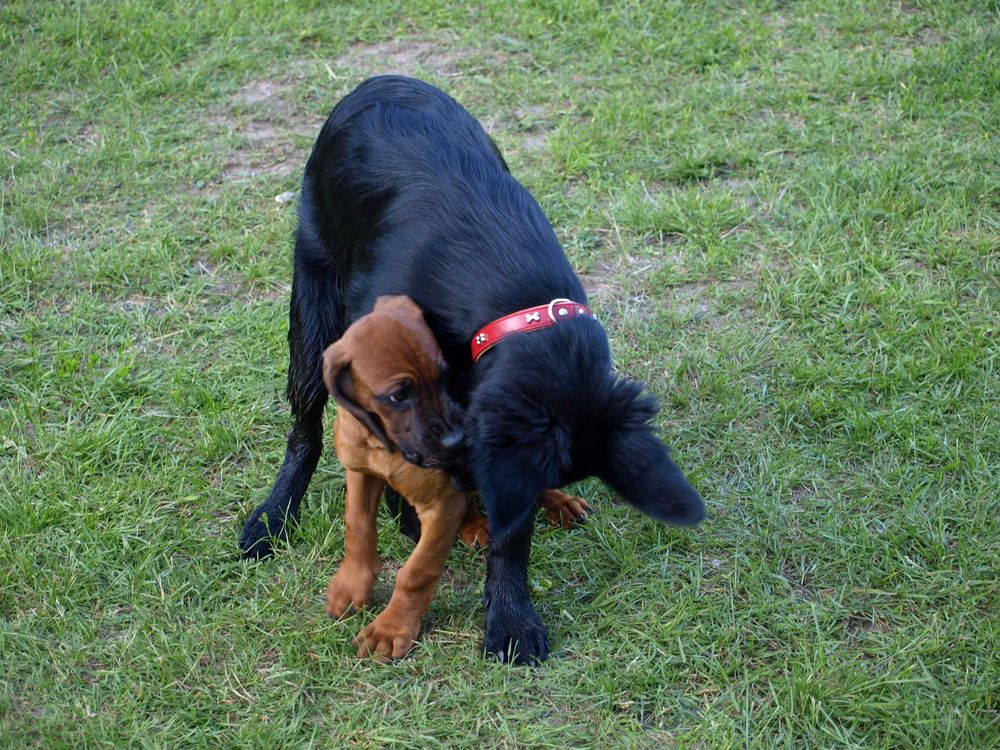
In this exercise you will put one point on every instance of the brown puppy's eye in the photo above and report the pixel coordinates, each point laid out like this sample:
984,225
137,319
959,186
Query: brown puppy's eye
399,396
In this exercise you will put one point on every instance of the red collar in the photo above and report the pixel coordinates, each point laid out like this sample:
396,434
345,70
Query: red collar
522,321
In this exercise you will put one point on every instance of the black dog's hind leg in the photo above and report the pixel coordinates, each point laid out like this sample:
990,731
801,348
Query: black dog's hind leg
315,320
398,508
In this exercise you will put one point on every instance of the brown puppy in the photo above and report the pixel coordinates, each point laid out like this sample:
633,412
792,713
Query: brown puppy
386,375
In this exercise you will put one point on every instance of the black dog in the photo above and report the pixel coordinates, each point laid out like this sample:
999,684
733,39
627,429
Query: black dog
404,193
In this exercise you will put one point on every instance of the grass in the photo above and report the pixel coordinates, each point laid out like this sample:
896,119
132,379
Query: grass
787,215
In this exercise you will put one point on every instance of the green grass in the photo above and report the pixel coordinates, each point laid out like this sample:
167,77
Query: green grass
787,214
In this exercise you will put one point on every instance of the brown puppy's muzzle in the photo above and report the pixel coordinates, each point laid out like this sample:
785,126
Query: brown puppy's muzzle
437,437
441,442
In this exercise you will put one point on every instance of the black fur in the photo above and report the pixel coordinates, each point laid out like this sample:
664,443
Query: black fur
406,194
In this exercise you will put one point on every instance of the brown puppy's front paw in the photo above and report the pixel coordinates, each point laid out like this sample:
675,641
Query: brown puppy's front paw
388,638
564,510
349,590
475,533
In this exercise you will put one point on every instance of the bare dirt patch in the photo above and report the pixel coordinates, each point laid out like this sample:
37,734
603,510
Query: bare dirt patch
268,150
266,115
261,131
245,166
256,92
412,57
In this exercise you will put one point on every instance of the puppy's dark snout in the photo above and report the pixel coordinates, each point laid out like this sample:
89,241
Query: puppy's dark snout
453,438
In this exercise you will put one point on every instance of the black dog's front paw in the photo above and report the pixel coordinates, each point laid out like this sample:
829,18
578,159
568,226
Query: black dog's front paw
255,540
516,635
258,531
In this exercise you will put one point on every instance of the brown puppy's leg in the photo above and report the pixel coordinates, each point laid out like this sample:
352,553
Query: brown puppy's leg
562,509
392,634
351,586
475,531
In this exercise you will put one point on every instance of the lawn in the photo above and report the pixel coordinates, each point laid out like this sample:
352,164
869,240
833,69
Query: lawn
788,218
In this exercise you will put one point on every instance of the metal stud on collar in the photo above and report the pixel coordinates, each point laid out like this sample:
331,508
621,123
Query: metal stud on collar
555,302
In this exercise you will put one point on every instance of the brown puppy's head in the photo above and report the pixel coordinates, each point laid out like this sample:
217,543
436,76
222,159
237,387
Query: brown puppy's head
388,371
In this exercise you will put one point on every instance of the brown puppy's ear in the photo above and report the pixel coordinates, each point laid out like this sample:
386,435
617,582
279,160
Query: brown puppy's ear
404,310
340,383
399,306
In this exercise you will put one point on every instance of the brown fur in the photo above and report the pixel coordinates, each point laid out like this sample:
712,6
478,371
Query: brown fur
388,349
441,510
562,509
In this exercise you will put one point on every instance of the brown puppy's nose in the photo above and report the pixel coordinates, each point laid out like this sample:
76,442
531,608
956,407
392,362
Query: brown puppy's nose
452,438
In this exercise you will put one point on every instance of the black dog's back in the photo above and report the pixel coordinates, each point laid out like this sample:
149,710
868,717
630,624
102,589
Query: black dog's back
405,192
406,93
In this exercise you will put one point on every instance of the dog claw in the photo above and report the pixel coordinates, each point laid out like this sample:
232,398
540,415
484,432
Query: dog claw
526,644
255,541
562,510
386,640
349,590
